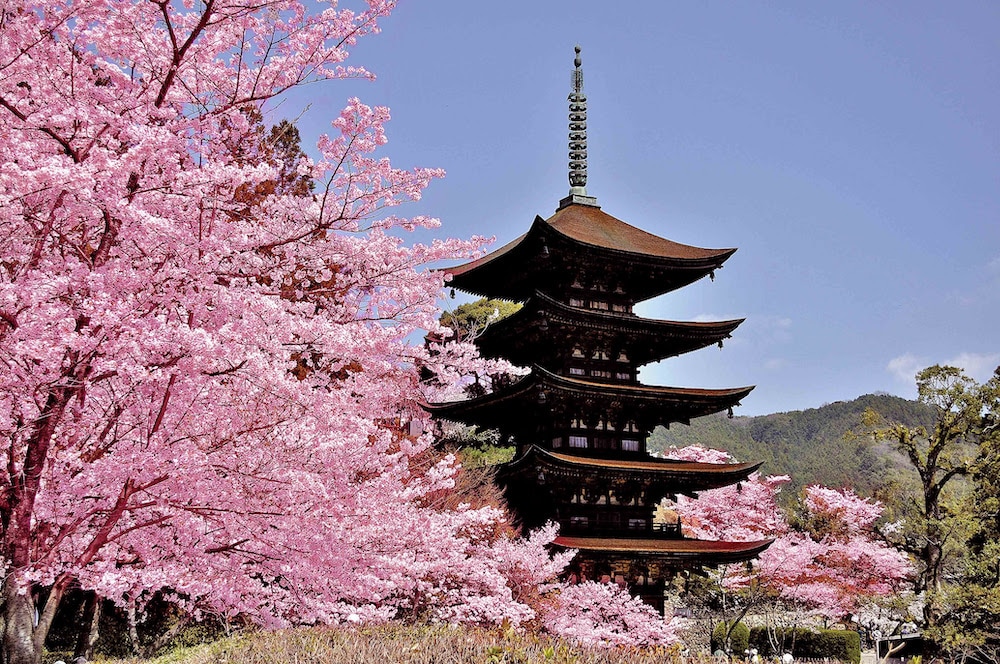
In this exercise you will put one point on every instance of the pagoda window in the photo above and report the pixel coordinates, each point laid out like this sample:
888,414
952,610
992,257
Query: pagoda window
623,375
603,443
578,441
579,521
630,426
600,373
601,425
578,423
622,357
599,304
578,352
609,519
601,355
619,308
577,371
602,499
630,445
575,302
557,441
637,524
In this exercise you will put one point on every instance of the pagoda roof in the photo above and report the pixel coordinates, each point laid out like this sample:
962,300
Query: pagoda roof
521,405
585,235
685,477
519,339
677,551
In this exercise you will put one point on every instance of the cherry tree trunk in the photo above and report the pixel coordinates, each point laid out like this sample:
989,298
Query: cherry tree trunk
19,644
88,636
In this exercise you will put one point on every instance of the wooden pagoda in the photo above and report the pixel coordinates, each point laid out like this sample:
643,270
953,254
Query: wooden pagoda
580,418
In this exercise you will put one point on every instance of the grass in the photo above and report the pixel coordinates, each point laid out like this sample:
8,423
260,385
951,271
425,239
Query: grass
389,644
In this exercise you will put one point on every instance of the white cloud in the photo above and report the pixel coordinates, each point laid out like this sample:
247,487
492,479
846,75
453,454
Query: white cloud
775,363
979,366
906,366
775,328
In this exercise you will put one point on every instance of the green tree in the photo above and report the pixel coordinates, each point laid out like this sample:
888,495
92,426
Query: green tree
950,457
470,319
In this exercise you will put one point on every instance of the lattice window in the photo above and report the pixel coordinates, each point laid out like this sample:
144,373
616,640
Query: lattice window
577,371
630,445
578,441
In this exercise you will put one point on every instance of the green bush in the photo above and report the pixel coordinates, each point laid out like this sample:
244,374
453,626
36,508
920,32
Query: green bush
739,638
838,644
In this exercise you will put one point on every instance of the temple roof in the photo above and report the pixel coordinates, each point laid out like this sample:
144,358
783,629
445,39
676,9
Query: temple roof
519,407
685,477
520,338
706,552
577,235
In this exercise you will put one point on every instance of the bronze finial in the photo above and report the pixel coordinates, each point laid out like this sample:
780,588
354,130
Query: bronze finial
577,130
577,140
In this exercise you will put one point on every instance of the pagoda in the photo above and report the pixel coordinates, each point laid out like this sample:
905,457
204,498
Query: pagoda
580,419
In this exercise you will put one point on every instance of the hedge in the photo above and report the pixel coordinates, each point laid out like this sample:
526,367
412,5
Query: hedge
840,644
739,640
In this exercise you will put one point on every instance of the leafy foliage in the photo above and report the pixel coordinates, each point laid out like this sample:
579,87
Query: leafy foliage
836,644
469,320
949,517
809,446
730,637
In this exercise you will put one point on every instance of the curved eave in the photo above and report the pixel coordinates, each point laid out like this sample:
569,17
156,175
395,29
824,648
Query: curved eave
512,271
592,227
674,404
641,392
694,476
650,339
706,552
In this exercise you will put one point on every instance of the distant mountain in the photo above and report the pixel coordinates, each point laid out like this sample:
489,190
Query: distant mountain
810,446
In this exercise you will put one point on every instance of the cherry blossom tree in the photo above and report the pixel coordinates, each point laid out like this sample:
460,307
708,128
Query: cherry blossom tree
206,375
830,558
605,614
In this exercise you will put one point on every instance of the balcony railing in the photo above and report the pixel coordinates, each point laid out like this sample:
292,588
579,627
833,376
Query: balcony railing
579,528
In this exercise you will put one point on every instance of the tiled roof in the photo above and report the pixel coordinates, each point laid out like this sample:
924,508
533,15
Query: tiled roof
666,547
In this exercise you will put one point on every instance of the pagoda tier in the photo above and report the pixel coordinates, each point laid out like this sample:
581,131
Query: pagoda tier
582,249
647,474
675,553
615,497
558,335
585,416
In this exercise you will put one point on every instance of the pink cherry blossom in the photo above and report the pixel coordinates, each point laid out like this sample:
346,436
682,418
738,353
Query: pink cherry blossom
833,568
207,376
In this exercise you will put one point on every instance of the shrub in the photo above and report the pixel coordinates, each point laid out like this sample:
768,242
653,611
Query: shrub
739,637
843,645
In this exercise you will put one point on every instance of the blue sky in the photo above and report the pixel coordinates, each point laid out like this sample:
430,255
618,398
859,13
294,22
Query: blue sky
851,151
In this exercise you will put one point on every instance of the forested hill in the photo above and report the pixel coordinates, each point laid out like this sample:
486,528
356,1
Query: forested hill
809,445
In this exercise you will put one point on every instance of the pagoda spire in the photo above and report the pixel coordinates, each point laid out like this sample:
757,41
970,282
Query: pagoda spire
577,140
